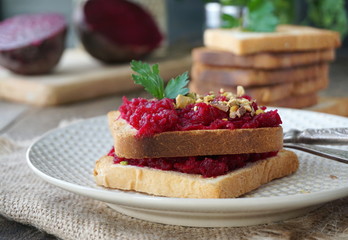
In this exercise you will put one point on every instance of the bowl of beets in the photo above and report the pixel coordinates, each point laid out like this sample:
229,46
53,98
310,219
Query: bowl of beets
115,31
32,44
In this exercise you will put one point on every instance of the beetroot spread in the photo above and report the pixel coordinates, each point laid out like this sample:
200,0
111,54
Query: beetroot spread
155,116
207,166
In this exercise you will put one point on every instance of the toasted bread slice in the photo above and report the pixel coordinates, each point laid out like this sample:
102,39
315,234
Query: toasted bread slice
299,101
263,60
192,143
256,77
286,38
269,93
176,184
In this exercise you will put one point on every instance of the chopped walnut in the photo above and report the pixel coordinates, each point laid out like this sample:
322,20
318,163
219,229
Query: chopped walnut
234,104
233,114
240,91
234,108
208,98
259,111
220,106
232,101
247,107
183,101
240,112
233,111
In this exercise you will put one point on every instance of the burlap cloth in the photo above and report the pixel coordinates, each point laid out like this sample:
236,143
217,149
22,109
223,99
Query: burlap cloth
26,198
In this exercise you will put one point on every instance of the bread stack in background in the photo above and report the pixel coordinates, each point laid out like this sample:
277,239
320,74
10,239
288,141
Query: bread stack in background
286,68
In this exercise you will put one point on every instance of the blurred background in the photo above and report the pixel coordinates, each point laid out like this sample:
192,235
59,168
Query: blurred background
183,21
83,87
115,32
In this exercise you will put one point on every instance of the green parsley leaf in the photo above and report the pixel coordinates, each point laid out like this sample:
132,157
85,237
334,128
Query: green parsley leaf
177,86
149,78
234,2
260,16
229,21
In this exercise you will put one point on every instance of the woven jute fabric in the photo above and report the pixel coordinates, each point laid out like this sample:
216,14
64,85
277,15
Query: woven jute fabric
26,198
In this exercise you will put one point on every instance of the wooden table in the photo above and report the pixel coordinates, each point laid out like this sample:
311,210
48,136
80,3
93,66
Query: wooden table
23,122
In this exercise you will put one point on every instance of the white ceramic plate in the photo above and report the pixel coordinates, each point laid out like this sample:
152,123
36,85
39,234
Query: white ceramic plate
65,157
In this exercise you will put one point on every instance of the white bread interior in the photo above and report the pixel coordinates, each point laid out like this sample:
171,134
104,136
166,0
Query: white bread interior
181,185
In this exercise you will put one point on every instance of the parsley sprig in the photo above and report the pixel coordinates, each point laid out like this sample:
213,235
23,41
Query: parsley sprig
259,17
149,77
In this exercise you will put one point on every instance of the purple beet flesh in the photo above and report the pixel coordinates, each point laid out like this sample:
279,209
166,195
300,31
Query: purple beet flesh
117,30
32,44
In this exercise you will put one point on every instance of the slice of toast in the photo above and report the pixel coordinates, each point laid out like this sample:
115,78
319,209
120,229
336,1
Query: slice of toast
263,60
191,143
268,93
287,38
256,77
176,184
299,101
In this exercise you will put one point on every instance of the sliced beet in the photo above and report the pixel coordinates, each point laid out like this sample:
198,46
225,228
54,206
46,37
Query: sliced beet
32,44
117,30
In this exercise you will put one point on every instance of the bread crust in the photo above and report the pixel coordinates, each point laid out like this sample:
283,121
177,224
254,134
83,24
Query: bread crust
175,184
299,101
192,143
286,38
248,77
263,60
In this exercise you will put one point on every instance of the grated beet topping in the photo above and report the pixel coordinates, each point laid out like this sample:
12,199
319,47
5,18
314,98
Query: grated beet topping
207,166
155,116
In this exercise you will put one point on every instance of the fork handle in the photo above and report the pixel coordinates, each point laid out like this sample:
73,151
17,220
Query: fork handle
334,154
337,136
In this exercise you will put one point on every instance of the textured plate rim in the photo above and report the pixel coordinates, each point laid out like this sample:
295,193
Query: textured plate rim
190,204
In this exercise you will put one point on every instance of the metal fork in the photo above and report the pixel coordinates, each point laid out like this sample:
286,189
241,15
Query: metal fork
308,140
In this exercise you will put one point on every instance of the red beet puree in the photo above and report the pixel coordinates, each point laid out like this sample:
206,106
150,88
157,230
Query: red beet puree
155,116
207,166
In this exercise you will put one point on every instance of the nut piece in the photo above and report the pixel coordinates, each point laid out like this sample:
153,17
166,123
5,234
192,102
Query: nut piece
240,112
208,98
233,104
234,108
259,111
233,111
220,106
182,101
240,91
247,107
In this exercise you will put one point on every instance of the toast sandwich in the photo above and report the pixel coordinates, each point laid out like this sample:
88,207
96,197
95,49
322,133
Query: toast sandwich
219,145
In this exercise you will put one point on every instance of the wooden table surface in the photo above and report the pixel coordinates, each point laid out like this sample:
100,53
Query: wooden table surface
23,122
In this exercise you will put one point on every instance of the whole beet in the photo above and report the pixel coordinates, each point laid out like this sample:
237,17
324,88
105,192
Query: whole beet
116,30
32,44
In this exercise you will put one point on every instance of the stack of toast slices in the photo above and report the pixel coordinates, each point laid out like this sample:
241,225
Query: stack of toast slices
286,68
185,144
